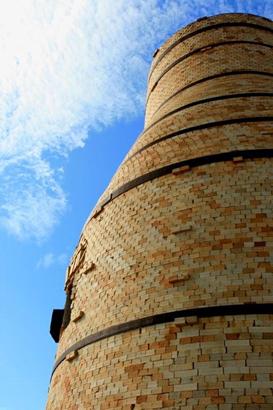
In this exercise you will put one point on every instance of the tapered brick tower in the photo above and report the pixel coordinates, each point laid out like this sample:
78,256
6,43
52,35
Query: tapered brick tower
169,292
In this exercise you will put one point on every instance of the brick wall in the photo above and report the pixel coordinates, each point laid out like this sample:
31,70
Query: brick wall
195,232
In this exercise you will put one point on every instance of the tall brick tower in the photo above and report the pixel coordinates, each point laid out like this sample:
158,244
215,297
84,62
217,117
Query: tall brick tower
169,292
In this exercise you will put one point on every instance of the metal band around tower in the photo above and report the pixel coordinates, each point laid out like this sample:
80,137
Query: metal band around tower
209,311
208,28
209,78
204,126
206,101
193,162
197,50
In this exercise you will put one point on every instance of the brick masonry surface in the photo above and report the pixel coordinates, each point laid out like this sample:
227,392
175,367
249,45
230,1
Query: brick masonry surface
222,362
194,237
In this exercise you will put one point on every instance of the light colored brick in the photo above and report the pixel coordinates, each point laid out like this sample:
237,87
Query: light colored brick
183,240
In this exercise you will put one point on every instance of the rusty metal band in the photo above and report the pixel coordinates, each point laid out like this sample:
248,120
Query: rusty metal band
208,100
211,77
202,312
193,162
204,29
201,127
197,50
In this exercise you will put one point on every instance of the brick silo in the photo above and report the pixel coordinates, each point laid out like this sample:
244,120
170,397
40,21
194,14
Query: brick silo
169,292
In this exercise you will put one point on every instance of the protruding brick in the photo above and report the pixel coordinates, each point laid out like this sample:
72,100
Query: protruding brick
181,170
77,315
72,356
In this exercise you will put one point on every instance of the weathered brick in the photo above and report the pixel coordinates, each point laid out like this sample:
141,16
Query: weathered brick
182,240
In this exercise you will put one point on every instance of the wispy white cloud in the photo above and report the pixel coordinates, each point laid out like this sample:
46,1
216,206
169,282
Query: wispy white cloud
68,67
50,259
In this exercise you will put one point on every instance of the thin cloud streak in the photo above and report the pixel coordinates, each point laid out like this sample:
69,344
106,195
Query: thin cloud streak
50,259
67,68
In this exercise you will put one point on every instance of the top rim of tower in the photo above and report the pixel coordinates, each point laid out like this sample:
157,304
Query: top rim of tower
204,23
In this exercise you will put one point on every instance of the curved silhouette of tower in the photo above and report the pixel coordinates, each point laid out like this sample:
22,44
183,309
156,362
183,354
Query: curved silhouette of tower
169,292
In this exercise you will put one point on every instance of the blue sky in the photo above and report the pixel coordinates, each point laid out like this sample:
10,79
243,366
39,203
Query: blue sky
72,84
